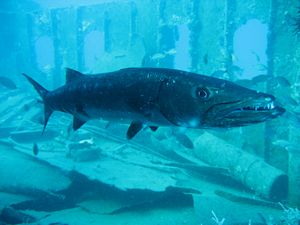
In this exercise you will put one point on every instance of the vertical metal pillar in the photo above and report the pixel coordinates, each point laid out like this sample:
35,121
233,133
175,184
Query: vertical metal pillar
194,27
166,37
294,178
8,42
107,32
31,38
161,25
133,23
80,39
229,29
58,61
269,130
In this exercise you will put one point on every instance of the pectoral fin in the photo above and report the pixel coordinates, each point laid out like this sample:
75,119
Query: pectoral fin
133,129
77,123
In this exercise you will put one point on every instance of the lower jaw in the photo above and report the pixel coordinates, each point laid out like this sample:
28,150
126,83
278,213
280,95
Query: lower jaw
253,117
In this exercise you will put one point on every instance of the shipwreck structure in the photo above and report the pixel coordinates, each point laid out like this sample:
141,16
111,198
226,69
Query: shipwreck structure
206,37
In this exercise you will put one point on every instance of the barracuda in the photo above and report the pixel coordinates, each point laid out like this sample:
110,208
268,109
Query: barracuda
156,97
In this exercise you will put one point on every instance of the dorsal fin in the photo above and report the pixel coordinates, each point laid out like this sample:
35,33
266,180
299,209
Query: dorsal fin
72,75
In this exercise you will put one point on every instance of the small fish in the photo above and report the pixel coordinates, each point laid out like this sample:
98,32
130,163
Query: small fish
244,82
35,149
234,58
8,83
219,73
260,78
120,56
170,52
287,145
85,25
256,56
274,81
48,67
158,56
290,101
282,81
282,143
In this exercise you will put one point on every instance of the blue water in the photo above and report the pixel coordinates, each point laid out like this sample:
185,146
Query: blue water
172,175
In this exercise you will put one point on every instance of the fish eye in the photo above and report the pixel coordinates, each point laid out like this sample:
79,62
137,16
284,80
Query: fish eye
202,93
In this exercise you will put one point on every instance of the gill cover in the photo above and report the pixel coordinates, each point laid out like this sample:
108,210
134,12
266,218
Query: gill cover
178,104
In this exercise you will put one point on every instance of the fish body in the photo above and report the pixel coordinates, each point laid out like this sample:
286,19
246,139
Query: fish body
157,97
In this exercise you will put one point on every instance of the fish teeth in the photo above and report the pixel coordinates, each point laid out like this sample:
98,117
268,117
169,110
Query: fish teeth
270,106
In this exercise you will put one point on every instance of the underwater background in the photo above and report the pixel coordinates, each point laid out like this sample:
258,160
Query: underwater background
244,175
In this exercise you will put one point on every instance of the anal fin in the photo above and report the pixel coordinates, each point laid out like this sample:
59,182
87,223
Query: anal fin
133,129
79,113
153,128
47,113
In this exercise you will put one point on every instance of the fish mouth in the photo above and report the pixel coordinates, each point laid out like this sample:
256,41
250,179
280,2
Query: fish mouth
241,113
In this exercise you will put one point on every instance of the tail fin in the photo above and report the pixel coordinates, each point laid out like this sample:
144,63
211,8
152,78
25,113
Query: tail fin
41,90
43,93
